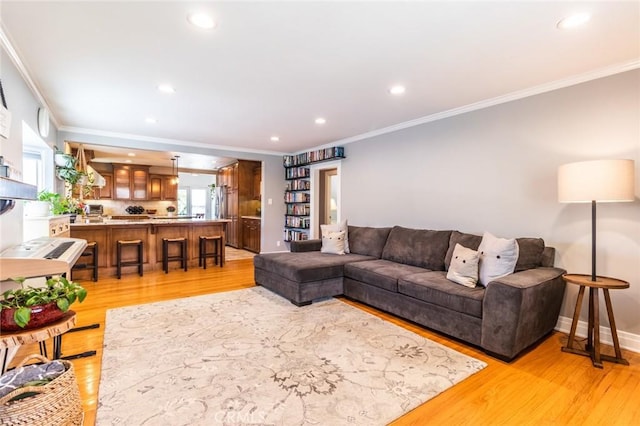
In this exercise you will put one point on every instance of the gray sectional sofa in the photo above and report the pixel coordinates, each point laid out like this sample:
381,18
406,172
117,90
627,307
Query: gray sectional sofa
403,271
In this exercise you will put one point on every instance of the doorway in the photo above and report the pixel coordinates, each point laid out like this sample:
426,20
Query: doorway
328,197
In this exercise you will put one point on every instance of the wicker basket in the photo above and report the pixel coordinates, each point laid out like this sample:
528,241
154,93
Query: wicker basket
56,403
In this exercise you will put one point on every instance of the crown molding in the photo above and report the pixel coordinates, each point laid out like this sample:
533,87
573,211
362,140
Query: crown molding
163,141
13,54
513,96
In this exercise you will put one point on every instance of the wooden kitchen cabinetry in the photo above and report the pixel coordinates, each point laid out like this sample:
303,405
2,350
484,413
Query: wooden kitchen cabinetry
131,182
169,188
162,187
238,181
106,192
100,193
251,234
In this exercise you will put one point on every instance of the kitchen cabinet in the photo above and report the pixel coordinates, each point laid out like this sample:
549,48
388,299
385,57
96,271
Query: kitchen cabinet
251,234
233,230
169,188
162,188
257,181
155,188
239,182
106,192
50,226
131,182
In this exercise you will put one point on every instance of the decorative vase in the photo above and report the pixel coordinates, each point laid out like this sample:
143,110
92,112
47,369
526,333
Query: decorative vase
40,315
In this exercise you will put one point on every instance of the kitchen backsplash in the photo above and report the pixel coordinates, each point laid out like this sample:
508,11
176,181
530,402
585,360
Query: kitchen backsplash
118,207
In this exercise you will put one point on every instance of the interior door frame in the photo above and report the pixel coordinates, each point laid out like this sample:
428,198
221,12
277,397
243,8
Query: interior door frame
314,217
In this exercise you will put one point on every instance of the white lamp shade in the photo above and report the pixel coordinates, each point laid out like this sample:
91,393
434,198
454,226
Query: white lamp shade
600,180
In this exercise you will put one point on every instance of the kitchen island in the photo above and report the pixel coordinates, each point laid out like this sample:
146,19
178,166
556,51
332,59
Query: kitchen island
151,232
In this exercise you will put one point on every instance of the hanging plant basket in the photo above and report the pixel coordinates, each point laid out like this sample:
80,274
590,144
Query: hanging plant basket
63,160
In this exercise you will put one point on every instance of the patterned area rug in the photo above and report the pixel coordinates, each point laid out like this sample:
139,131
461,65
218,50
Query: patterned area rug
251,357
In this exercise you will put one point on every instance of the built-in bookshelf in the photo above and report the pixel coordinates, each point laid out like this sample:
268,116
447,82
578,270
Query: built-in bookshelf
297,197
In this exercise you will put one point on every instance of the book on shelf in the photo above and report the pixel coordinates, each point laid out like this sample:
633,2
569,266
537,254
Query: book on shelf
293,235
314,156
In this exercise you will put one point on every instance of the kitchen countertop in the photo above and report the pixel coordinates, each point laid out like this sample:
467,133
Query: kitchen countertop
147,222
251,217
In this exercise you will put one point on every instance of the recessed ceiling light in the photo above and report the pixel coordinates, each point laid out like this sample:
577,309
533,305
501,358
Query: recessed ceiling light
131,154
201,20
574,21
166,88
127,161
150,120
320,120
275,138
397,90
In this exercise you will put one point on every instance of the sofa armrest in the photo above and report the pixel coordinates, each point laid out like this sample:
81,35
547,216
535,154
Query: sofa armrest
519,309
306,245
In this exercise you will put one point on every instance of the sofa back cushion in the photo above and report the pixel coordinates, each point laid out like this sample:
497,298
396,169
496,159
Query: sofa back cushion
469,241
530,253
367,241
531,249
417,247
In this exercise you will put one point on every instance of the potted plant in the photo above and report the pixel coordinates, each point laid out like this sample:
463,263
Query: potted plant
171,210
33,307
69,175
43,206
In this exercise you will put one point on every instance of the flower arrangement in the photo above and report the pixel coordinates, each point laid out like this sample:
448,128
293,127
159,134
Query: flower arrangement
68,205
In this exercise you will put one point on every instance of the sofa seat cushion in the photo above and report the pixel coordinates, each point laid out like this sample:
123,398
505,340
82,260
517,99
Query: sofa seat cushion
380,273
306,266
434,287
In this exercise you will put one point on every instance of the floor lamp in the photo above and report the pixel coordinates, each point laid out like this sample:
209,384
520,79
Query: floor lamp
600,181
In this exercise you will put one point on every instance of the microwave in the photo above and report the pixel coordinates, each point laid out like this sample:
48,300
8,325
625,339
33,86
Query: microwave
95,209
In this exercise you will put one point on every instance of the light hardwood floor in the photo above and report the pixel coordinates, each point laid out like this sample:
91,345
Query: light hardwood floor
543,387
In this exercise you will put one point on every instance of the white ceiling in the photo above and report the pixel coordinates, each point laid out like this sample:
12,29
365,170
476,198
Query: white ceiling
271,68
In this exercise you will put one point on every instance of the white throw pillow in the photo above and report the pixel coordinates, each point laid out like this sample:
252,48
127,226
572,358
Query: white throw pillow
338,227
498,257
464,266
333,243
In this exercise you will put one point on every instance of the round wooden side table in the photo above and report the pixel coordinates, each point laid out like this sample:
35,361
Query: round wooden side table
53,330
593,327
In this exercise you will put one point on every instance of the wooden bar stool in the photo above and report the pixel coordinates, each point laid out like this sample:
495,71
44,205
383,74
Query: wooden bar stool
139,260
182,257
90,251
216,254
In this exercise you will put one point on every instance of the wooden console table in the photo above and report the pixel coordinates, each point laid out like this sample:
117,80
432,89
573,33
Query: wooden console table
593,328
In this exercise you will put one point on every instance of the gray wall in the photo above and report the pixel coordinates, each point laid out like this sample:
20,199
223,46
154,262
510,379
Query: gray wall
495,169
23,106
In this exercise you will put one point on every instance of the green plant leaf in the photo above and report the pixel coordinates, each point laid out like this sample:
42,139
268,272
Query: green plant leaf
22,316
63,304
82,294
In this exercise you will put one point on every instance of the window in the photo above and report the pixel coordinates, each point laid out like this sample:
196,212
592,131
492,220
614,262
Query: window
37,160
194,202
33,169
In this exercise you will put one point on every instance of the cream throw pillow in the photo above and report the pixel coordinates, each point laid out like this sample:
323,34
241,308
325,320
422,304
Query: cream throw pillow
464,266
498,257
333,242
338,227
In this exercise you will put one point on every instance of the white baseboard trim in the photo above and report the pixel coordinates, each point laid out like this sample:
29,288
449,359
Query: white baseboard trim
628,341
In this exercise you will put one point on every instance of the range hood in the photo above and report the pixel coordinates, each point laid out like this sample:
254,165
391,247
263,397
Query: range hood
95,178
11,190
